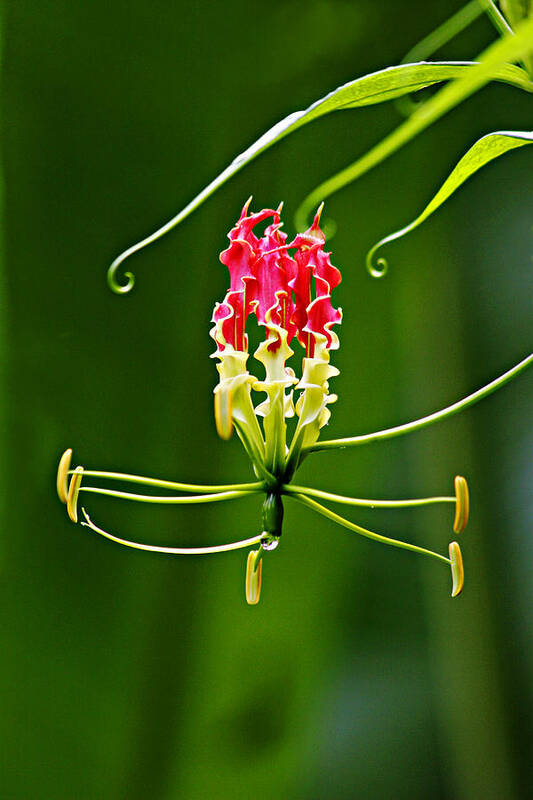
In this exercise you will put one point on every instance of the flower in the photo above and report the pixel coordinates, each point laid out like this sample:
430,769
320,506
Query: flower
290,297
287,287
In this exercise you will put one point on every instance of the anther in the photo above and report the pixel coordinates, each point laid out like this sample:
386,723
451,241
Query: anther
73,492
462,504
254,567
223,411
62,475
456,563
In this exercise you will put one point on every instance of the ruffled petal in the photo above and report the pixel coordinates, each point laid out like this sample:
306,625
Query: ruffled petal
321,316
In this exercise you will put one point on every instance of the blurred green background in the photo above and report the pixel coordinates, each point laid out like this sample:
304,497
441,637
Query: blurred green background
133,675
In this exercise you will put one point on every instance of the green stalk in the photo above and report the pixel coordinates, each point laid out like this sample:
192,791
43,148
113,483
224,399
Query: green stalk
356,501
182,551
496,17
306,501
148,498
434,41
180,487
445,32
399,430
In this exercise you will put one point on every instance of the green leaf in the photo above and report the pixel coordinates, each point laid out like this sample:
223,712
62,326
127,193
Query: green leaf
509,48
484,150
376,87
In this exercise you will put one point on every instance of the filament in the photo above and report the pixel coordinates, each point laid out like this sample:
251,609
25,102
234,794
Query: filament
356,501
180,487
326,512
149,498
185,551
408,427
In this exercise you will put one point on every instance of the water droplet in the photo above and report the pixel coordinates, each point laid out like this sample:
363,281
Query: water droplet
269,542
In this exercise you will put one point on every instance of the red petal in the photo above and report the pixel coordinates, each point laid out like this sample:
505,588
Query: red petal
232,318
321,316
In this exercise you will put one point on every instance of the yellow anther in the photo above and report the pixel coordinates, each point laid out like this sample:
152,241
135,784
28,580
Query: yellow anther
73,492
254,567
462,504
456,563
62,475
223,411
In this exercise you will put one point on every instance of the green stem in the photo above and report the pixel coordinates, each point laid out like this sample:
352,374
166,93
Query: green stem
444,33
496,17
399,430
306,501
185,551
180,487
355,501
433,42
148,498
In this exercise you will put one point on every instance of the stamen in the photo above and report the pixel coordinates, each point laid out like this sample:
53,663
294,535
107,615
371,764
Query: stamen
223,409
187,499
254,569
73,492
462,504
367,503
180,487
62,475
181,551
399,430
456,563
326,512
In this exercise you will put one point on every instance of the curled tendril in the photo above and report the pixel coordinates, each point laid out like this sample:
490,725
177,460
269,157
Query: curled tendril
114,285
380,267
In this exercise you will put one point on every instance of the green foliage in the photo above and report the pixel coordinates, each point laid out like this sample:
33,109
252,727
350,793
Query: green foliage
392,83
486,149
493,59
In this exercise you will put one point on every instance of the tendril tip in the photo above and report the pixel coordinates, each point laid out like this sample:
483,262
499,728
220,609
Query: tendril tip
114,285
377,268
